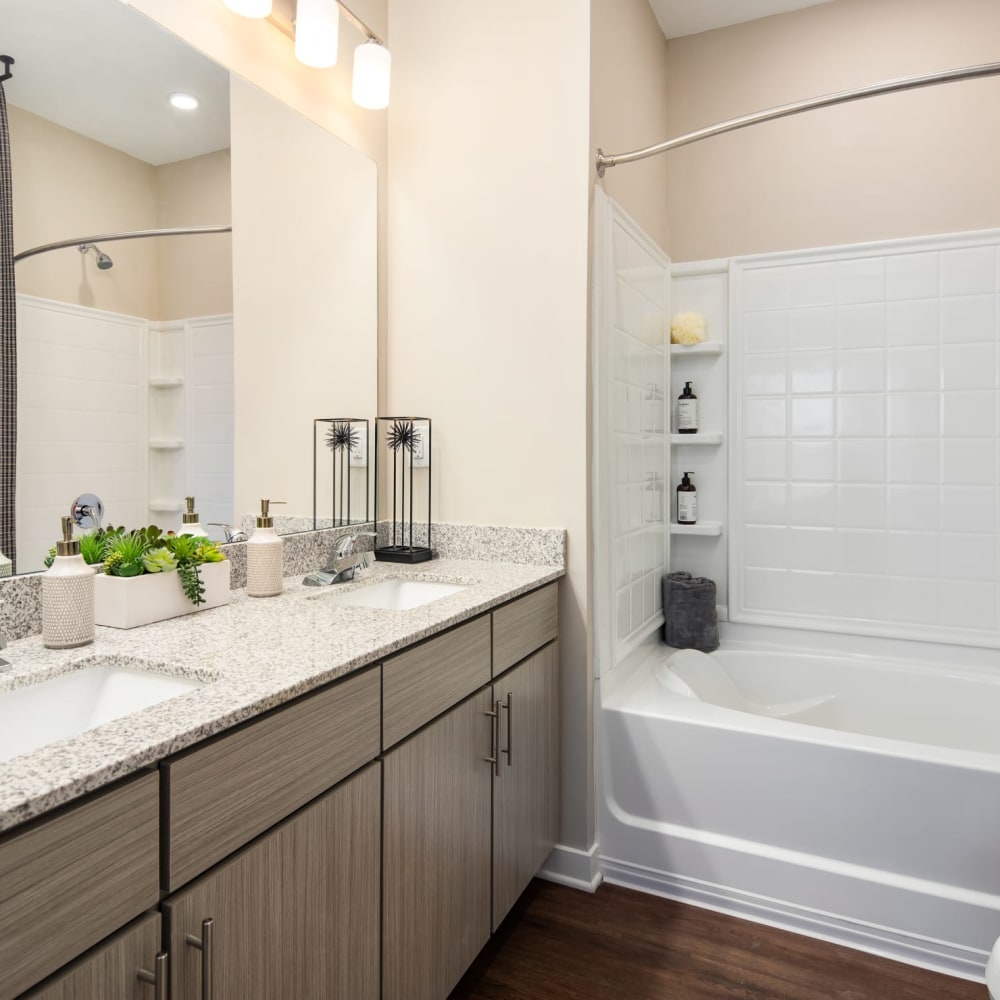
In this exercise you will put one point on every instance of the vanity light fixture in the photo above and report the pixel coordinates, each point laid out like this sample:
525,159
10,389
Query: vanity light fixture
249,8
317,30
185,102
370,84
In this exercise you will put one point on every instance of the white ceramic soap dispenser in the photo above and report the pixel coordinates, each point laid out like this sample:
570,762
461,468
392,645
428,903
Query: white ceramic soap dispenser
67,595
264,548
190,525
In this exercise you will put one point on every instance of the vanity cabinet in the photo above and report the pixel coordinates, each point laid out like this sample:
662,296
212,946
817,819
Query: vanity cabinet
526,787
69,880
471,805
361,842
295,914
436,856
125,968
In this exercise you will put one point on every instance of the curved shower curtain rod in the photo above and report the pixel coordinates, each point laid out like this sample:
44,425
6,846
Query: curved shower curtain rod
605,160
139,234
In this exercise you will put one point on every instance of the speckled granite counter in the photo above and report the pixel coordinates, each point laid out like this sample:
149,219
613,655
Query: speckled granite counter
255,654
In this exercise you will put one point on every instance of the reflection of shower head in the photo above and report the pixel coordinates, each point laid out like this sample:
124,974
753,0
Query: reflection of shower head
104,262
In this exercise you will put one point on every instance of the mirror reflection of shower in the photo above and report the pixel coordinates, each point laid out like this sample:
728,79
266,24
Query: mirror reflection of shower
104,262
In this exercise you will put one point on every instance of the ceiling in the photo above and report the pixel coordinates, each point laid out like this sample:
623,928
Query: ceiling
688,17
104,70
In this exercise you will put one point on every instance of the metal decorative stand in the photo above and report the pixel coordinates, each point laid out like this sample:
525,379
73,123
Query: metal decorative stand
403,463
341,488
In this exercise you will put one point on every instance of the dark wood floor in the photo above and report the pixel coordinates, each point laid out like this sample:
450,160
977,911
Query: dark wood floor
562,944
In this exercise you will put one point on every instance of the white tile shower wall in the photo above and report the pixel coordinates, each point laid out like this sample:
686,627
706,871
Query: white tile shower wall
81,418
865,483
638,380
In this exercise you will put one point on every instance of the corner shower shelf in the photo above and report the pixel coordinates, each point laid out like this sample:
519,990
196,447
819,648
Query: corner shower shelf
710,528
706,438
164,444
166,382
705,347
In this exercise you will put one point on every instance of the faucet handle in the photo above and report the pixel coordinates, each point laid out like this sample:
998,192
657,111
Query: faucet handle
230,533
344,545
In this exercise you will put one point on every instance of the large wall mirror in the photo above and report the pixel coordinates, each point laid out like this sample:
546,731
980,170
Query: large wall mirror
157,368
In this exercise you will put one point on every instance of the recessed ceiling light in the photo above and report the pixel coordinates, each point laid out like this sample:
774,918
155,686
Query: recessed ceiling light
184,101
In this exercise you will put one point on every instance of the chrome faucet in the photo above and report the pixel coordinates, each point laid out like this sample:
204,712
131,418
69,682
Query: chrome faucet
230,533
342,561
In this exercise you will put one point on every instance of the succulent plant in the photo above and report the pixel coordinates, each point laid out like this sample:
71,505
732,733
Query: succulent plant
159,560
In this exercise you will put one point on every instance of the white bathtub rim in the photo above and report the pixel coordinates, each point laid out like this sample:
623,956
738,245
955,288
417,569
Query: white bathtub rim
616,693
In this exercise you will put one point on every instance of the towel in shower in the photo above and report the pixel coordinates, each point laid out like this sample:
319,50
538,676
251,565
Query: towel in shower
690,617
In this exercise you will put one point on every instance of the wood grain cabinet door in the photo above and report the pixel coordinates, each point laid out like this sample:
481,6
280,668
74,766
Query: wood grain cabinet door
526,791
436,853
111,970
296,914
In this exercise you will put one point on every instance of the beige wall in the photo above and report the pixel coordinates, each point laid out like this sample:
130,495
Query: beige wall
628,106
66,185
902,165
195,272
488,189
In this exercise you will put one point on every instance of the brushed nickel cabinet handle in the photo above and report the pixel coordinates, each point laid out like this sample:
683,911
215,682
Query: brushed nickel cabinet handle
158,977
494,757
206,945
510,715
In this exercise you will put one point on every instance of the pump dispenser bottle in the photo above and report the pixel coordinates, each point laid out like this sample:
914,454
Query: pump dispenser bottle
190,525
67,595
687,411
264,548
687,501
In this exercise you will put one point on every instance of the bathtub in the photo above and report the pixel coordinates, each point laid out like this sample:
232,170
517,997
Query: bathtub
848,789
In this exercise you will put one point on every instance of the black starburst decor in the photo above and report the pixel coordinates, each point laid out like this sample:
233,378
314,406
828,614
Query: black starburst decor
402,435
403,464
340,486
342,436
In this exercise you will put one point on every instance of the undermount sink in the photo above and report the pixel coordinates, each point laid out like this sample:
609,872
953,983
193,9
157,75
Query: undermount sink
398,595
68,704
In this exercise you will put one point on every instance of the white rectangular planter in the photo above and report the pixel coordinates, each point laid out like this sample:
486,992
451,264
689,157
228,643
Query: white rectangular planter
126,602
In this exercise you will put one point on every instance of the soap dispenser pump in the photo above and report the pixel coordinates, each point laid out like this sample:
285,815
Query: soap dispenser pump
67,595
190,524
264,550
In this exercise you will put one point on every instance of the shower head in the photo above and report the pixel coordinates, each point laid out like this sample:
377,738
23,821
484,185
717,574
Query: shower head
104,262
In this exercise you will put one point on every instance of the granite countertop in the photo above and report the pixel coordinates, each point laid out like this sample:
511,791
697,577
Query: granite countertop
254,654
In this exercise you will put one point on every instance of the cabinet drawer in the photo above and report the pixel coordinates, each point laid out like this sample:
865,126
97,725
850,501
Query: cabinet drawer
521,627
68,882
222,795
425,681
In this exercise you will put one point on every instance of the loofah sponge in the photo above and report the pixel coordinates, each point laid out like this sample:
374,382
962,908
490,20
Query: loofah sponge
687,328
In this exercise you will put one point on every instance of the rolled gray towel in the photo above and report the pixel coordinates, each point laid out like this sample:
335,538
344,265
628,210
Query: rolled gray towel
691,620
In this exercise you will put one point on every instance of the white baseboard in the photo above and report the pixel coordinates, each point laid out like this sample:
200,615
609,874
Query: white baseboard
938,956
573,867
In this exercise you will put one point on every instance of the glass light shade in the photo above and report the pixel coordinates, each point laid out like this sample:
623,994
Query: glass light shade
370,85
249,8
317,29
